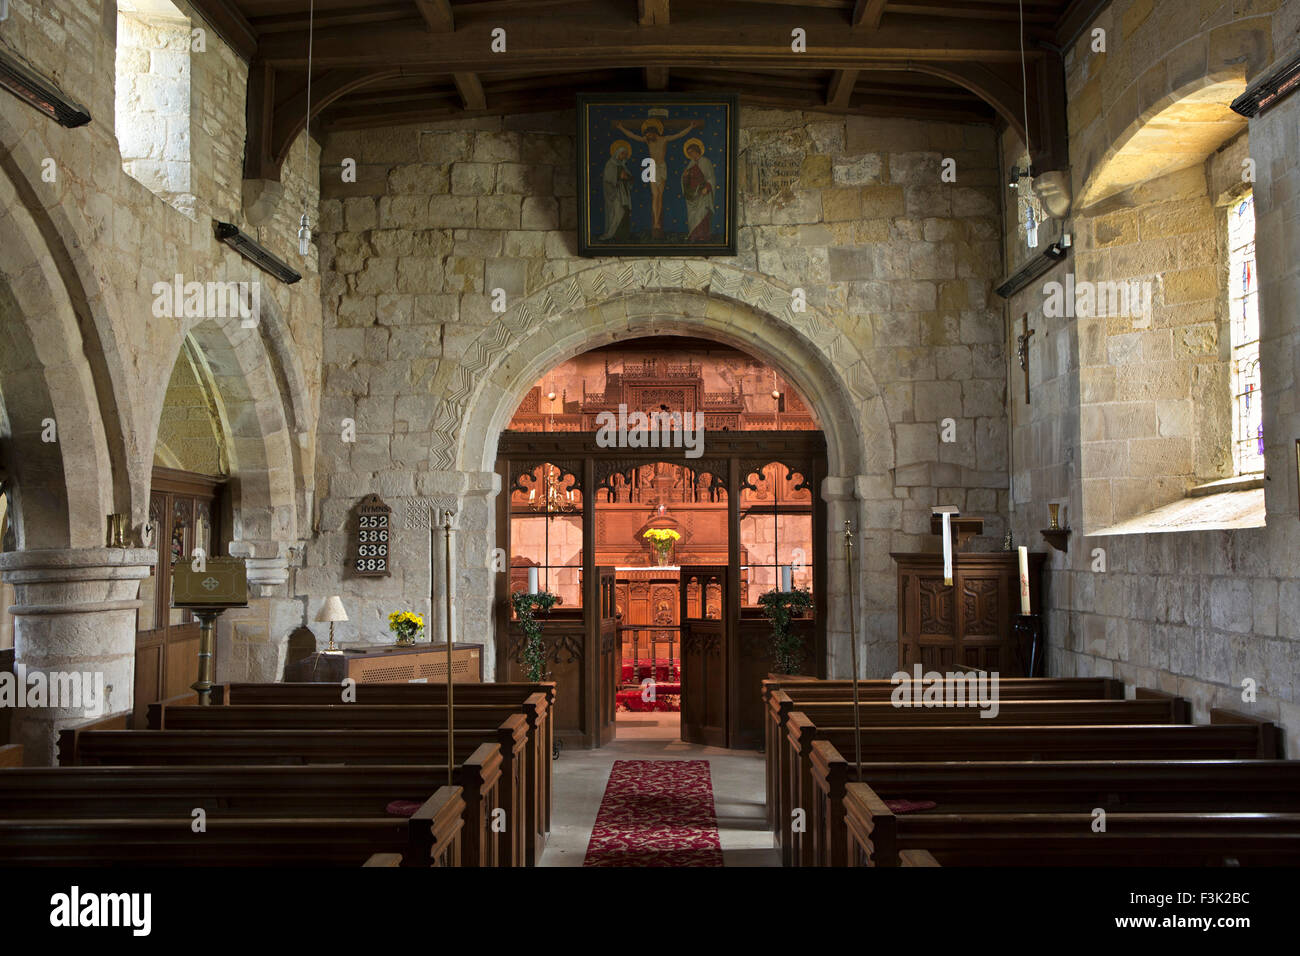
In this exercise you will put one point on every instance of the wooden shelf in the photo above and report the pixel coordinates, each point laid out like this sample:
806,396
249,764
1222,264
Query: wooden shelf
1058,538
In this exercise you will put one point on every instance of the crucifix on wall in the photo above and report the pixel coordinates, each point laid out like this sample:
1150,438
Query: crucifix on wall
1022,350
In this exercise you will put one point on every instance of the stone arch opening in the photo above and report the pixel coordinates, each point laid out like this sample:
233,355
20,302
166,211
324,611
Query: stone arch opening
635,299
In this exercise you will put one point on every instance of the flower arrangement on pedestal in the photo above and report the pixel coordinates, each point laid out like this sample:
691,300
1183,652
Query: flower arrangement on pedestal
662,539
407,625
781,608
526,606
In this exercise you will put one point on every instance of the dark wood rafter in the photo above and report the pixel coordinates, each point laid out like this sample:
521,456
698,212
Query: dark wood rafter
652,13
867,13
381,64
437,15
841,88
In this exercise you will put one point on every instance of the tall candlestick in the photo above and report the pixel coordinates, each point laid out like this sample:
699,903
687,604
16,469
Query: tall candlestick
1024,580
947,549
532,580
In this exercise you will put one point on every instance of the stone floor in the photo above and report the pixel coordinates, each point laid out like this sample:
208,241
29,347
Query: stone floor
738,791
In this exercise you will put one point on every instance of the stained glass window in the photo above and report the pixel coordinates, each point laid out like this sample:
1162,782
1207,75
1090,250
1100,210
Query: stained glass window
1243,299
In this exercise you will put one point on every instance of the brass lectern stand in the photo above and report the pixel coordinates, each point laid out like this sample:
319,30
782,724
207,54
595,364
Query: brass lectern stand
207,586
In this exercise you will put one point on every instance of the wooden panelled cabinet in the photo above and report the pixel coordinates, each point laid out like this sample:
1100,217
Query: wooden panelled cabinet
968,624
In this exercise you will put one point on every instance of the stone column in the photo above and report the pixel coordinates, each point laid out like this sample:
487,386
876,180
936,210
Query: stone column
74,611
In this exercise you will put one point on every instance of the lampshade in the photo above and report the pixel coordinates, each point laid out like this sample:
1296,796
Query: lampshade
332,610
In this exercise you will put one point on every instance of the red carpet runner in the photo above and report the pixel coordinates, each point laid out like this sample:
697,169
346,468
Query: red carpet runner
656,813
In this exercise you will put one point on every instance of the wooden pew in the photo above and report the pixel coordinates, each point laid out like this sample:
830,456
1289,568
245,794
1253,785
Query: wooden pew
793,784
1068,839
106,793
478,761
523,762
540,720
11,755
808,690
1048,786
431,837
996,741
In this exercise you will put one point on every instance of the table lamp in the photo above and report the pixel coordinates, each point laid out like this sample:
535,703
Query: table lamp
332,610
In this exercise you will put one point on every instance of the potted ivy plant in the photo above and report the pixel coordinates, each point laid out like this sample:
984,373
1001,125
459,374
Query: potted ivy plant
781,608
526,606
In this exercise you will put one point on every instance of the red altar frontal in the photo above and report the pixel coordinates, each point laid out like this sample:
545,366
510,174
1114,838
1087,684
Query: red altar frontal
648,602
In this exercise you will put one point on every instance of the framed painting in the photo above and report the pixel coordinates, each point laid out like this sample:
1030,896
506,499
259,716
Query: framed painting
657,174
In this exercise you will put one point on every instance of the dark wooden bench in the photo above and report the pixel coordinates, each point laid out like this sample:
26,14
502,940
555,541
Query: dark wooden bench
1047,786
430,837
994,740
875,837
541,720
525,795
479,763
808,690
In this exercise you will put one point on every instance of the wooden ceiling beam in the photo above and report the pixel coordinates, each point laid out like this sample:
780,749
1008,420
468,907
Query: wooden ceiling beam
437,14
867,14
652,13
841,88
230,24
656,77
470,88
557,43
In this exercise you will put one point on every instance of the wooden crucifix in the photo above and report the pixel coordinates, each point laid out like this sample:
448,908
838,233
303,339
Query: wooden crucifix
1022,351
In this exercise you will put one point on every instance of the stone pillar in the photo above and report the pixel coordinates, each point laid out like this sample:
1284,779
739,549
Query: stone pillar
252,641
74,611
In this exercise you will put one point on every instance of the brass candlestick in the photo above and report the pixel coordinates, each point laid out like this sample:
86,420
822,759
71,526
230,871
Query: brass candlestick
853,646
1054,510
451,714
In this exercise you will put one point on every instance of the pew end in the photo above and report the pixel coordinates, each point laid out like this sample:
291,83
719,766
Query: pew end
872,828
917,858
1270,734
1181,707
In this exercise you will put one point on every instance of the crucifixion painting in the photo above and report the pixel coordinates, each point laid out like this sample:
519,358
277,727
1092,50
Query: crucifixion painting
656,174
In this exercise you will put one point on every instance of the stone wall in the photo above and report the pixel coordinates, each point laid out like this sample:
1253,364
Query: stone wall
79,257
1195,613
897,266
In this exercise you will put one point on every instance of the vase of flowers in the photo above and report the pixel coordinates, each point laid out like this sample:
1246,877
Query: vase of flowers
407,625
662,539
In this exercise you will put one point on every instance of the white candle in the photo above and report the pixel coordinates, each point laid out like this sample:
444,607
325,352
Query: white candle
532,580
947,549
787,578
1024,580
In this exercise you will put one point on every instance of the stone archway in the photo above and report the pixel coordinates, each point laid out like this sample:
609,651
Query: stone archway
646,297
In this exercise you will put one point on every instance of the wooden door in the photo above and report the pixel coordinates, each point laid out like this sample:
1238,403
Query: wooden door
704,653
184,514
611,652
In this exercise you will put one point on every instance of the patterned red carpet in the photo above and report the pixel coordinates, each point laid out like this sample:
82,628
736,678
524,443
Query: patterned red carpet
656,813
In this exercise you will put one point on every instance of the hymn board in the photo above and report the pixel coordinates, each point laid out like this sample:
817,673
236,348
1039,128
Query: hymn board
370,547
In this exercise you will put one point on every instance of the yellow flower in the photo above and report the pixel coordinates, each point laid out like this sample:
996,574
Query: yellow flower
661,535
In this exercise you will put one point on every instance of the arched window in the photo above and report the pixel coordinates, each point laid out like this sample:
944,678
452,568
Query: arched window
1243,302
